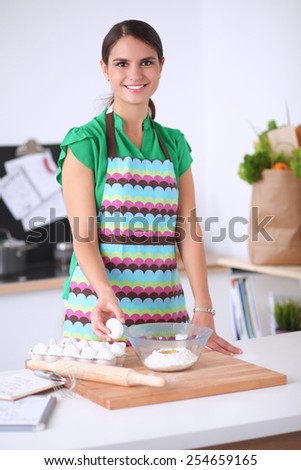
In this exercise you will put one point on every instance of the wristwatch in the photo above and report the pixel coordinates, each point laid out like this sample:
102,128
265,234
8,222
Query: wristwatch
202,309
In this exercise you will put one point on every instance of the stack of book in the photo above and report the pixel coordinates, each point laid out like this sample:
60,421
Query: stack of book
245,316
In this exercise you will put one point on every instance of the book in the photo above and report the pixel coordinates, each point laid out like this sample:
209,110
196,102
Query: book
237,309
27,414
253,307
18,384
244,308
248,307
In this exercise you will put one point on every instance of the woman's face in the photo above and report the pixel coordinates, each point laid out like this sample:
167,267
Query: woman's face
133,70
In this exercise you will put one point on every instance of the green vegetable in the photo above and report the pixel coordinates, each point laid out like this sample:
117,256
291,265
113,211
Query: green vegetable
251,168
272,125
295,162
263,144
288,315
280,157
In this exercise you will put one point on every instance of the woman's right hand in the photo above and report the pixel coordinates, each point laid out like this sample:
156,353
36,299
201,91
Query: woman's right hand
106,307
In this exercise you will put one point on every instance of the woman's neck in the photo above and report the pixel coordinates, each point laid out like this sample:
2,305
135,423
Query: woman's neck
132,116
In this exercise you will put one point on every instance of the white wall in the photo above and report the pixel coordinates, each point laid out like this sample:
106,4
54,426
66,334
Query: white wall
50,55
228,63
249,52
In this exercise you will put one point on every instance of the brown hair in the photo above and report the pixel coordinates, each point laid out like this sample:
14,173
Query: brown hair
139,30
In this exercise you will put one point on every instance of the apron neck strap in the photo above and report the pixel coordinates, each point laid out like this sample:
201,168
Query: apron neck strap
111,139
165,151
110,135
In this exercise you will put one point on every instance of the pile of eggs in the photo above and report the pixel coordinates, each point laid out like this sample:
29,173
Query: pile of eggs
97,352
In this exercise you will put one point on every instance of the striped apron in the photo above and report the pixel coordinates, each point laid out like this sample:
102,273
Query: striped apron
136,228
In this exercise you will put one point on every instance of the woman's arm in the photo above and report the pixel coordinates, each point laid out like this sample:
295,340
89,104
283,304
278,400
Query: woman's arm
78,189
192,252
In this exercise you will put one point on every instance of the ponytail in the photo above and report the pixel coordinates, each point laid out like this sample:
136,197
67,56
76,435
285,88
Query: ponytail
152,108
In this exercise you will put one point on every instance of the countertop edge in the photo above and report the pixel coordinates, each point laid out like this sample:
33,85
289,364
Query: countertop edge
32,285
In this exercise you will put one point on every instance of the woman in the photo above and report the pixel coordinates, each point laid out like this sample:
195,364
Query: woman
128,190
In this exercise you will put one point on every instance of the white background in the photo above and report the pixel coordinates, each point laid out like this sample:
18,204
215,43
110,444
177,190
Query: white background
229,64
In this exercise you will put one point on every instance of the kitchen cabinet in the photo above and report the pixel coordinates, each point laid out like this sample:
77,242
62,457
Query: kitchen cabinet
31,312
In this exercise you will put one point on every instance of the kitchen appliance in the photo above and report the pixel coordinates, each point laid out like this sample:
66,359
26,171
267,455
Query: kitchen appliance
13,254
62,253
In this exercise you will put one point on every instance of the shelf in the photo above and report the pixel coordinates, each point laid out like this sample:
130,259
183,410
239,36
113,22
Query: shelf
292,272
32,286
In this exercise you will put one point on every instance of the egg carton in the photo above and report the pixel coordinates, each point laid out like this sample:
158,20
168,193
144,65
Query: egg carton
94,352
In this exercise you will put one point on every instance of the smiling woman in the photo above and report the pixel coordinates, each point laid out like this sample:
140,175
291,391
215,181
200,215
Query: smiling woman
127,182
133,71
143,35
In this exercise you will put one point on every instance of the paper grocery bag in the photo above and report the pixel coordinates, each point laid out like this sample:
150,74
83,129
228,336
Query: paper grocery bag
275,219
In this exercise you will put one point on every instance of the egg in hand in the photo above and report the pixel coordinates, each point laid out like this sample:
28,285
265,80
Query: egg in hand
116,328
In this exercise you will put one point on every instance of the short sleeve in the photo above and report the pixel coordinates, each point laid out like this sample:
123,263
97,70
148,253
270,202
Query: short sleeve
184,154
81,146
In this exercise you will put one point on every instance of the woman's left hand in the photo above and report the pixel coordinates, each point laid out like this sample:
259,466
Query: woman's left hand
215,342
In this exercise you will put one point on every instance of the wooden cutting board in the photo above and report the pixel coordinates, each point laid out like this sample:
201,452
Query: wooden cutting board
214,374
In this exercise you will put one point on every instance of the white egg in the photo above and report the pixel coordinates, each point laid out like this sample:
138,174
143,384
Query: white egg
40,348
116,328
87,353
105,357
105,354
55,350
54,353
97,345
38,352
118,349
82,344
71,351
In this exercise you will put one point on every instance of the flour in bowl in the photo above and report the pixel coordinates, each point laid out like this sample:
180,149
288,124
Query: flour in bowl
170,359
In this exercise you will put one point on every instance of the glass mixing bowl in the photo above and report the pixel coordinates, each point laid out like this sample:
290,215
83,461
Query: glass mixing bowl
166,347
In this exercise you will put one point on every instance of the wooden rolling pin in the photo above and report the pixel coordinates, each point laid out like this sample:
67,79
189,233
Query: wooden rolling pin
97,373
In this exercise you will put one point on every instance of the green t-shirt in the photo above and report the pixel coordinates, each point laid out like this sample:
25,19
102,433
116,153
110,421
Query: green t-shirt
88,144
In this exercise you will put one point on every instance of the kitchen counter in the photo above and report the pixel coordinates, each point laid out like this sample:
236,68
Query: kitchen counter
32,285
77,423
38,276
